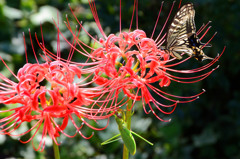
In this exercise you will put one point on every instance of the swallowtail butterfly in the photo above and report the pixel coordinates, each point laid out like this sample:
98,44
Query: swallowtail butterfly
181,36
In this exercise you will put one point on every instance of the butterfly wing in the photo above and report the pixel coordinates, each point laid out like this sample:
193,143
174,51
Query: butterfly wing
181,36
181,28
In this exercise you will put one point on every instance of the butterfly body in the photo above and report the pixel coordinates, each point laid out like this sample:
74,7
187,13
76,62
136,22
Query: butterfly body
182,37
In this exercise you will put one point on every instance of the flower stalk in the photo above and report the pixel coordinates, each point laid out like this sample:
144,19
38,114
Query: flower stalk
56,150
128,121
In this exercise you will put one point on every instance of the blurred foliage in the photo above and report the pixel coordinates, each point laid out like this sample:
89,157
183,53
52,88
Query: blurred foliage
208,128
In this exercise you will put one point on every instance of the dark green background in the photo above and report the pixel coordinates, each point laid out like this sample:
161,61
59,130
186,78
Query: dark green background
208,128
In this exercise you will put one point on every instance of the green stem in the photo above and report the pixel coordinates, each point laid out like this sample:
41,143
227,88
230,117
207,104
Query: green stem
56,150
128,121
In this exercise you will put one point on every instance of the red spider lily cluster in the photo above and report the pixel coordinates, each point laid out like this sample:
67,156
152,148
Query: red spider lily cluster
48,95
125,66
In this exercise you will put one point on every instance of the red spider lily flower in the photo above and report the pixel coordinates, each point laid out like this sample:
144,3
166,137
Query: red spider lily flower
48,96
131,63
